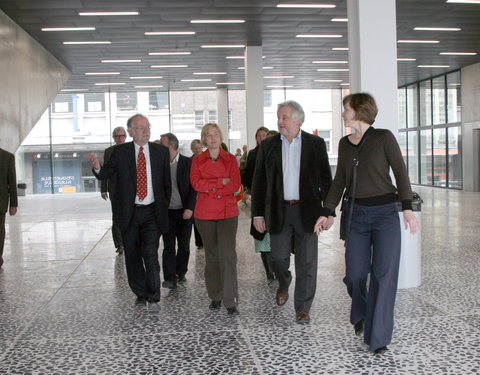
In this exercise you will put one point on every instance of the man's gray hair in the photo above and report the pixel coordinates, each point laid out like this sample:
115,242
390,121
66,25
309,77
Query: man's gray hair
172,140
130,120
297,110
119,129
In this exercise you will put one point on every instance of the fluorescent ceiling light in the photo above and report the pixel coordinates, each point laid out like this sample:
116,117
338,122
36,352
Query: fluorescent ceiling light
458,53
406,59
340,49
207,73
122,61
168,53
202,88
230,83
278,77
306,6
101,73
333,70
109,83
170,33
148,87
197,80
217,21
265,67
344,84
464,1
90,42
169,66
147,77
70,90
234,57
223,46
108,13
418,41
318,36
330,62
327,80
67,28
433,66
279,87
437,29
339,20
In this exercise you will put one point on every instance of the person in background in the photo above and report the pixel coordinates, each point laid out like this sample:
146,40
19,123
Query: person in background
107,187
243,159
8,193
238,155
197,149
142,196
180,216
373,238
262,240
291,180
216,177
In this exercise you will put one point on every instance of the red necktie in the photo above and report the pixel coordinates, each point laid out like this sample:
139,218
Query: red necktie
141,175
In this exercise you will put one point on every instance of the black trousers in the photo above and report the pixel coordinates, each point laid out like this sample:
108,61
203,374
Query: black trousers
116,231
175,263
198,237
141,253
2,236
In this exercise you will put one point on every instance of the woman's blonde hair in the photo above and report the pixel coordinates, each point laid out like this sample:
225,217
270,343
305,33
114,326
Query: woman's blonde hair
205,130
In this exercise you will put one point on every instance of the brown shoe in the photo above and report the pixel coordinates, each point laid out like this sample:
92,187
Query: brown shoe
303,317
282,297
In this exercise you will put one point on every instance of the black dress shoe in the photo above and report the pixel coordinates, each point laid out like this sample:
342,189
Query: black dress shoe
359,327
181,278
232,311
141,301
215,305
381,350
169,284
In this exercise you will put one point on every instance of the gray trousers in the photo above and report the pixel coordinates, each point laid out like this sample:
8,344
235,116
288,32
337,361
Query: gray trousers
219,240
294,237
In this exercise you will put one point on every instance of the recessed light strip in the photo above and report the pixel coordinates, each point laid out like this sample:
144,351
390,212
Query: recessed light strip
202,88
230,83
167,33
223,46
333,70
67,29
168,53
148,86
109,83
458,53
328,80
101,73
464,1
339,20
197,80
433,66
319,36
217,21
330,6
406,59
70,90
90,42
278,77
147,77
329,62
209,73
122,61
437,29
108,13
418,41
169,66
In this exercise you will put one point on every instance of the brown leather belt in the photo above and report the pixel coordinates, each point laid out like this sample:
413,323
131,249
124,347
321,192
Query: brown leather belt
292,203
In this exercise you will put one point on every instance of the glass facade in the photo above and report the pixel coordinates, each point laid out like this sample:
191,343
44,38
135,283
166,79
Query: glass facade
52,158
430,138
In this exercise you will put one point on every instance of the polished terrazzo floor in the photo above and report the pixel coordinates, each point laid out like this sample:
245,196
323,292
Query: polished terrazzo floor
65,306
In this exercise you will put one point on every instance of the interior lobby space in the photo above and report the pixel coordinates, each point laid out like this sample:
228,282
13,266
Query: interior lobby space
66,308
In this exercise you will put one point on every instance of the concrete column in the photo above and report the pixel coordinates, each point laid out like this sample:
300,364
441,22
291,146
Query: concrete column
253,92
30,77
372,41
222,113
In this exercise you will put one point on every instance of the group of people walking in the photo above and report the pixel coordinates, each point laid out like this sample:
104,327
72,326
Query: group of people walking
293,199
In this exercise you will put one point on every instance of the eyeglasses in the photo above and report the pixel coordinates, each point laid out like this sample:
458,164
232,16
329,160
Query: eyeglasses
119,135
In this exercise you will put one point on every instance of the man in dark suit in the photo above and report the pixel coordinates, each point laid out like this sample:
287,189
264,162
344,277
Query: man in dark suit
180,213
107,187
8,193
141,201
292,178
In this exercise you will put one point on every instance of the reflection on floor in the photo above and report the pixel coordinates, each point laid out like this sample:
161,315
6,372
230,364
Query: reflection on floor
66,308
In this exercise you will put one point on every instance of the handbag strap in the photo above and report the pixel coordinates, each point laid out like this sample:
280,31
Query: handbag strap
353,184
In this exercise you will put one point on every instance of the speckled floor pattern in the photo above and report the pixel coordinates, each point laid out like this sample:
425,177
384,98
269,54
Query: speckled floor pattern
66,308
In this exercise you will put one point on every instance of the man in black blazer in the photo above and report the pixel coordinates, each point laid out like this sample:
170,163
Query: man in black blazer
292,178
141,201
107,187
180,213
8,193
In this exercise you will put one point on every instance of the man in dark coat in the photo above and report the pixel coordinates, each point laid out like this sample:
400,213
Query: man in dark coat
180,214
292,178
8,193
141,200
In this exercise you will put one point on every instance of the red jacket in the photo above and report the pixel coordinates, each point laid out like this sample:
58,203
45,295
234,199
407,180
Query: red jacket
215,200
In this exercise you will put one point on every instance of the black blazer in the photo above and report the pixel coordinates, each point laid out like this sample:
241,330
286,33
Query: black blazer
187,194
108,186
315,181
122,162
8,181
247,175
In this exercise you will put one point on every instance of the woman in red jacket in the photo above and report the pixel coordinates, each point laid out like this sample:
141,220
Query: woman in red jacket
216,177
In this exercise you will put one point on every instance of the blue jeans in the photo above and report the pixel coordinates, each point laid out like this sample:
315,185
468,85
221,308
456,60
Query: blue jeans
373,248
